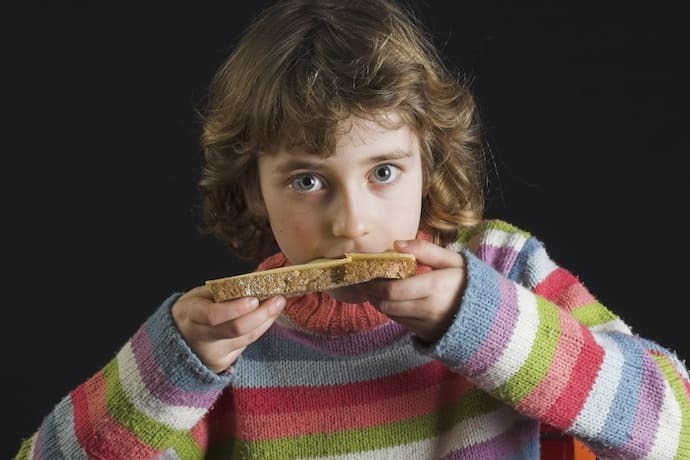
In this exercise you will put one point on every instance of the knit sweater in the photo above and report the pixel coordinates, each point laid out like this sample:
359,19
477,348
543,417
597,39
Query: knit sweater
529,345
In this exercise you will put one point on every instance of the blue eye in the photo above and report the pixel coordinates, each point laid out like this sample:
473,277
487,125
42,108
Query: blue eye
306,183
384,174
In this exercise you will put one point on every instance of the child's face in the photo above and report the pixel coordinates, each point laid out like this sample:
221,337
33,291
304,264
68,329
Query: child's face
360,199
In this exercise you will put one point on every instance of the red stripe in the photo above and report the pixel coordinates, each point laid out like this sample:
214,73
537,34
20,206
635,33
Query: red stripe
80,409
255,401
358,416
564,289
199,433
582,377
98,433
555,282
221,418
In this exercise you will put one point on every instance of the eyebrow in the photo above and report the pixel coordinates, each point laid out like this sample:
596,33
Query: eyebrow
303,163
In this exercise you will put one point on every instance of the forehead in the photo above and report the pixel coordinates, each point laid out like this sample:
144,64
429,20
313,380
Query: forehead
367,135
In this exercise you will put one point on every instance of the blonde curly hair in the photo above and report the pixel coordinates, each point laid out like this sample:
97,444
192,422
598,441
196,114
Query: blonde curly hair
304,66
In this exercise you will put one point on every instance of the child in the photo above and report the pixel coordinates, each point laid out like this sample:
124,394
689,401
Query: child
334,127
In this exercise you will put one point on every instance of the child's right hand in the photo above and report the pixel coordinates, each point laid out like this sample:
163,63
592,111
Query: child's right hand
218,332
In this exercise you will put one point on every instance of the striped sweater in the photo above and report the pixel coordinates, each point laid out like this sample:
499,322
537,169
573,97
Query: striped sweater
529,345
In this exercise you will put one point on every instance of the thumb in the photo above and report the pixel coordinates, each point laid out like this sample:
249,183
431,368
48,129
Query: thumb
430,254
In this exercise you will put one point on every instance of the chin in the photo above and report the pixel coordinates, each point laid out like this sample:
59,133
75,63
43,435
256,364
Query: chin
348,294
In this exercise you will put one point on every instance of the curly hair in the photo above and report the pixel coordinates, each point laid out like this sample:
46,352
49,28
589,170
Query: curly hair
303,67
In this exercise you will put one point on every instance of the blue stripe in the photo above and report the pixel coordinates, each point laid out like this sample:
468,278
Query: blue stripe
281,344
48,437
178,362
520,271
624,406
478,308
253,372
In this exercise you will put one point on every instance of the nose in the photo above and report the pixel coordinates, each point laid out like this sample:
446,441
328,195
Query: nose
349,216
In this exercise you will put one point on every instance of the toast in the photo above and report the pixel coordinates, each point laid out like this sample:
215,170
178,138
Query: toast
317,275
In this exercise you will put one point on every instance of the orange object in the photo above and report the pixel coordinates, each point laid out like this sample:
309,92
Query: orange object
559,446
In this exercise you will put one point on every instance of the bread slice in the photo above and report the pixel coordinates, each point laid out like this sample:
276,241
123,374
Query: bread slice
318,275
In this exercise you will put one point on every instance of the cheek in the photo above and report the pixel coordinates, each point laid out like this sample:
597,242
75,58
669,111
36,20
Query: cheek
292,231
408,208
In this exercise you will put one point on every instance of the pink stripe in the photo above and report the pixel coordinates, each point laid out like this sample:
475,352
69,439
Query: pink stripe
38,445
575,296
554,382
345,345
157,383
573,397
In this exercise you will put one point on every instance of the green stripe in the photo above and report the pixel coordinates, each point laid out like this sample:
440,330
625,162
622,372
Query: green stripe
402,432
593,314
25,448
155,434
540,356
680,394
466,234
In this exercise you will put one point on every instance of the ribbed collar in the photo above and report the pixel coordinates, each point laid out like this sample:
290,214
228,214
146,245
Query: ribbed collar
320,313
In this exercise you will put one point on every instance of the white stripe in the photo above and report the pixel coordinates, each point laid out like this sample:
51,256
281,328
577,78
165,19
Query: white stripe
501,239
518,348
667,437
176,417
475,430
168,454
416,450
471,431
591,419
615,325
67,439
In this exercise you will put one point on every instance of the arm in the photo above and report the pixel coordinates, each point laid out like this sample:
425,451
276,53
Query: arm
149,398
529,333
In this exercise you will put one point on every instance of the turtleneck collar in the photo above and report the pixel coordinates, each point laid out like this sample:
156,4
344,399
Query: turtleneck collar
319,313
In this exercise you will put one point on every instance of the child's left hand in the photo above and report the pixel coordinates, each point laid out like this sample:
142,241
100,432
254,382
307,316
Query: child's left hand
427,302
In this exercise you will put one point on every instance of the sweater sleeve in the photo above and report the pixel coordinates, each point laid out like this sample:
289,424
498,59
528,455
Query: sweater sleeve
530,334
145,402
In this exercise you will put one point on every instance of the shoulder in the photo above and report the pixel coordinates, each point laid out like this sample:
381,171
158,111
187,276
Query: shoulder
493,232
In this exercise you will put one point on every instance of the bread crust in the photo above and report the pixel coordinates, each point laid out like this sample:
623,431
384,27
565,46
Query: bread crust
318,275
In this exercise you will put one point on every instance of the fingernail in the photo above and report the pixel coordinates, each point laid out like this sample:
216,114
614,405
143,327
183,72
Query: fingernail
253,302
401,244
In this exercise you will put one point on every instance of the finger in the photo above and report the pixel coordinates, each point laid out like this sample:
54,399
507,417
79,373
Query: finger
267,311
257,332
222,312
223,357
430,254
414,288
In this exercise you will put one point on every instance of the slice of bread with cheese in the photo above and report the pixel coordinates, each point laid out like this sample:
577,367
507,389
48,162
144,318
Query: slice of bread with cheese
318,275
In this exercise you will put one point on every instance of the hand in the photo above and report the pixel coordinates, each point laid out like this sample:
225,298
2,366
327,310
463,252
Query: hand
427,302
219,332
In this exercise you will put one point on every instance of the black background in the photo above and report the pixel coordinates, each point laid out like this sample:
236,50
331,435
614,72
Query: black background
586,109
